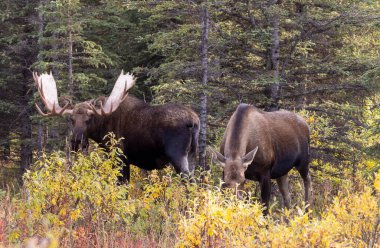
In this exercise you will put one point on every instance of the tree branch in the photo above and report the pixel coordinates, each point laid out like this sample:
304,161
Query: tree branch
332,88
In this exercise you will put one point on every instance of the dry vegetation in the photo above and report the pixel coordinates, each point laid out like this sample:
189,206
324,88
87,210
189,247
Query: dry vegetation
80,204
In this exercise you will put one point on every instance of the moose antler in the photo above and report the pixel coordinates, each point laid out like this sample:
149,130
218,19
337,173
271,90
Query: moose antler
47,89
117,96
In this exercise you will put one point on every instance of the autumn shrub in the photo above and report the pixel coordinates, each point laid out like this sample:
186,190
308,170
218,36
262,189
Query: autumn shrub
59,195
79,203
216,221
220,219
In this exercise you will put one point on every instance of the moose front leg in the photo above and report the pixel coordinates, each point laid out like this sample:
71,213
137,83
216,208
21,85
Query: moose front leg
125,170
265,186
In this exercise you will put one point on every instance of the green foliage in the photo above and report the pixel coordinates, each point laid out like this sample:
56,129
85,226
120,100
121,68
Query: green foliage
62,25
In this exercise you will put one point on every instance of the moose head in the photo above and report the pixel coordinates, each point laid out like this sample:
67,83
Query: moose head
233,168
81,114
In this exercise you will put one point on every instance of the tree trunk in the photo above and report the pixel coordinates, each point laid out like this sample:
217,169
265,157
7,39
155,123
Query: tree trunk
203,97
5,148
302,83
301,99
274,90
70,62
40,133
41,24
71,80
26,124
28,50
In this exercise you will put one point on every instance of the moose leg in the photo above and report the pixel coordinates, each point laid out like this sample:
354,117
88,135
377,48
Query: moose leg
181,164
283,185
192,160
177,152
304,172
265,192
307,185
178,145
125,171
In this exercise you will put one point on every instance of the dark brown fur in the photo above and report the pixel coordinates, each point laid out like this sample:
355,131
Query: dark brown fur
153,135
282,138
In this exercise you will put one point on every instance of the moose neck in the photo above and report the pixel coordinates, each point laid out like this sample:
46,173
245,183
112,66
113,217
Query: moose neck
101,125
236,135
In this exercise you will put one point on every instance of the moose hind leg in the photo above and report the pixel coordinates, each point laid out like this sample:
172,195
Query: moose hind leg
283,185
307,185
192,160
305,174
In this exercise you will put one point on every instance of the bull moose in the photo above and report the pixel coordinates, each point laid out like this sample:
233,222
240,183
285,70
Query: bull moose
261,146
154,135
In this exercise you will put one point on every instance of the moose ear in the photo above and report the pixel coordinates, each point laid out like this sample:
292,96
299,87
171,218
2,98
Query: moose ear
248,158
218,158
66,100
99,102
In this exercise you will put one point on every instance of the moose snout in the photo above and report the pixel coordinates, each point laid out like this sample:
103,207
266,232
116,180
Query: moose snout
77,145
79,141
233,184
237,188
226,185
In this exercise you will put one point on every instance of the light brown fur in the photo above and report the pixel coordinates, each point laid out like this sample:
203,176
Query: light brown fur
282,138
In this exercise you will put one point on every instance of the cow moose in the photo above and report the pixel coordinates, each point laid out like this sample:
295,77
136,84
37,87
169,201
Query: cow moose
261,146
153,135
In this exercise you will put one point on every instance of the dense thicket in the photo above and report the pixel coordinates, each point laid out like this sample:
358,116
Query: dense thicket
317,57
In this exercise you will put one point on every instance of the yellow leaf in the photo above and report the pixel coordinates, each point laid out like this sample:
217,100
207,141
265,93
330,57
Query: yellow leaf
13,236
377,182
62,212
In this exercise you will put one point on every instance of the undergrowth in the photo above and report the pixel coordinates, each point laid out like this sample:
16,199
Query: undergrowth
79,203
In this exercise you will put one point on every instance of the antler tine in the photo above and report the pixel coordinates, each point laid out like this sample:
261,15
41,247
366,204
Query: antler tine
46,85
35,77
53,111
125,97
42,95
93,108
65,109
112,106
118,94
40,111
37,81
